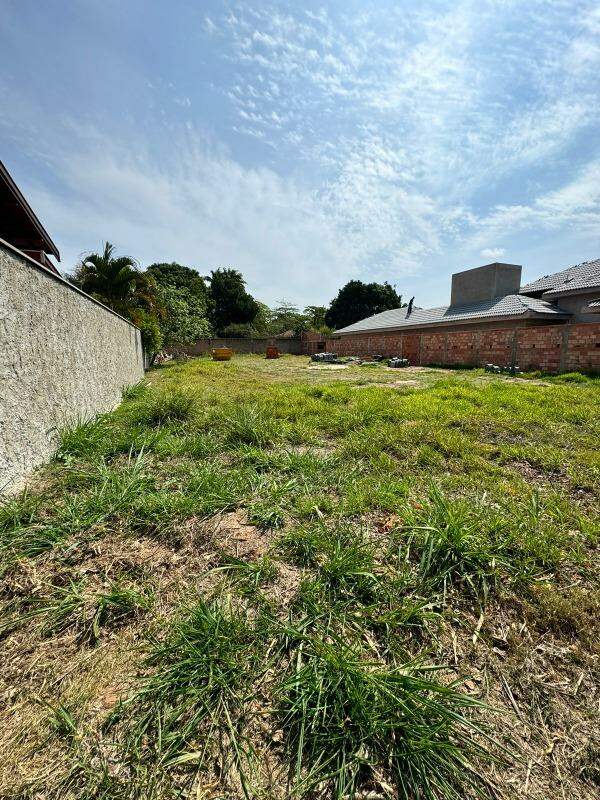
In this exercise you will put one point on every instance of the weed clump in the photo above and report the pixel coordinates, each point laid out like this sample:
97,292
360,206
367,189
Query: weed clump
454,546
200,680
167,407
249,425
359,724
77,607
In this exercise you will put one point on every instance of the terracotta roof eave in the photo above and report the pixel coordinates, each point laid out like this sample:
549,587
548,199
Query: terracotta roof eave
500,318
44,235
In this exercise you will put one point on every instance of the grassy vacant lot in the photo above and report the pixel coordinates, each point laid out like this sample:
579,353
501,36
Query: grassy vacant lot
265,580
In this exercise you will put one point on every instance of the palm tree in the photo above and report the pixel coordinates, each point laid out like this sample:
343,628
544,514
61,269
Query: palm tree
115,281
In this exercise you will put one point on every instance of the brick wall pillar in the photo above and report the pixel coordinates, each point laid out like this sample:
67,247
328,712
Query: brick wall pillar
514,347
564,350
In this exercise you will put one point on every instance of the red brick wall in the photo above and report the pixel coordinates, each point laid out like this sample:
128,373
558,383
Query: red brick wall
433,348
550,348
583,350
463,348
495,347
410,347
540,348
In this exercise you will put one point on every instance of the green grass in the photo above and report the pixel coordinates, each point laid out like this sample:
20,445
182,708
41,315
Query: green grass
346,718
200,680
386,521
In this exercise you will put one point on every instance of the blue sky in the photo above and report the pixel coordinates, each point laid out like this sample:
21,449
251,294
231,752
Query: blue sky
309,143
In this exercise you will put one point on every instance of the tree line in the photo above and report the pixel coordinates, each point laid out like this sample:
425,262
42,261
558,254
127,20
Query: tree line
173,304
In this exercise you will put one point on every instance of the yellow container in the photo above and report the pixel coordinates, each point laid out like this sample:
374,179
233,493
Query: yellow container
222,354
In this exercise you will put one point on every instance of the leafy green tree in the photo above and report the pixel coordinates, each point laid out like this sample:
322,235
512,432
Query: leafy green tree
150,328
241,330
287,317
180,277
357,300
231,303
184,298
316,317
116,281
262,322
184,320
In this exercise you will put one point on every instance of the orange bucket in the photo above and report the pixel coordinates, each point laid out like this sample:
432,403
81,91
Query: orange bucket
222,354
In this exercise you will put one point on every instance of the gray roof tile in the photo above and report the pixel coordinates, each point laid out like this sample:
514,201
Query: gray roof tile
573,279
511,305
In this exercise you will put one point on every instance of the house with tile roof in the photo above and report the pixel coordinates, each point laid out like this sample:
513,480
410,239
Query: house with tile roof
576,289
492,296
551,324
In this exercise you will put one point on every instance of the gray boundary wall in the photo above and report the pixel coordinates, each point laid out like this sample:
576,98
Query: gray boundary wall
63,357
285,345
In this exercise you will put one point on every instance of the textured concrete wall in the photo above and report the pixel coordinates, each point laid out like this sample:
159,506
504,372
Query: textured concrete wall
550,348
63,357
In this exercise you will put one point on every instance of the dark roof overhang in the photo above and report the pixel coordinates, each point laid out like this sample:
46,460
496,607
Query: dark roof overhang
16,211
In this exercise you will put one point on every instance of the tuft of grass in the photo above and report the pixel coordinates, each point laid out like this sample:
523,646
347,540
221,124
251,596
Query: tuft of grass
18,512
352,723
84,439
88,612
134,392
63,722
572,377
453,546
200,682
165,407
348,569
250,425
201,491
249,576
304,546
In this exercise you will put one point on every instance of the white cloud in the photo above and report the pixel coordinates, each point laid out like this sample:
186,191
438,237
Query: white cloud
209,25
398,139
493,252
201,207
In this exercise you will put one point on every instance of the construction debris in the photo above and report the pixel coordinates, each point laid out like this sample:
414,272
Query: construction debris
512,369
398,363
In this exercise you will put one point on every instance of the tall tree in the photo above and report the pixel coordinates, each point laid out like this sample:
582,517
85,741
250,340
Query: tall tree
316,317
179,277
115,281
357,300
184,297
287,317
231,303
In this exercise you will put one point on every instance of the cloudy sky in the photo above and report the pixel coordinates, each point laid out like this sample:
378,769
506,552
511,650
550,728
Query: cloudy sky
309,143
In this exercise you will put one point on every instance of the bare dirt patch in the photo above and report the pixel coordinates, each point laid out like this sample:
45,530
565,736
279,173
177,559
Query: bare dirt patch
535,475
232,533
390,385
